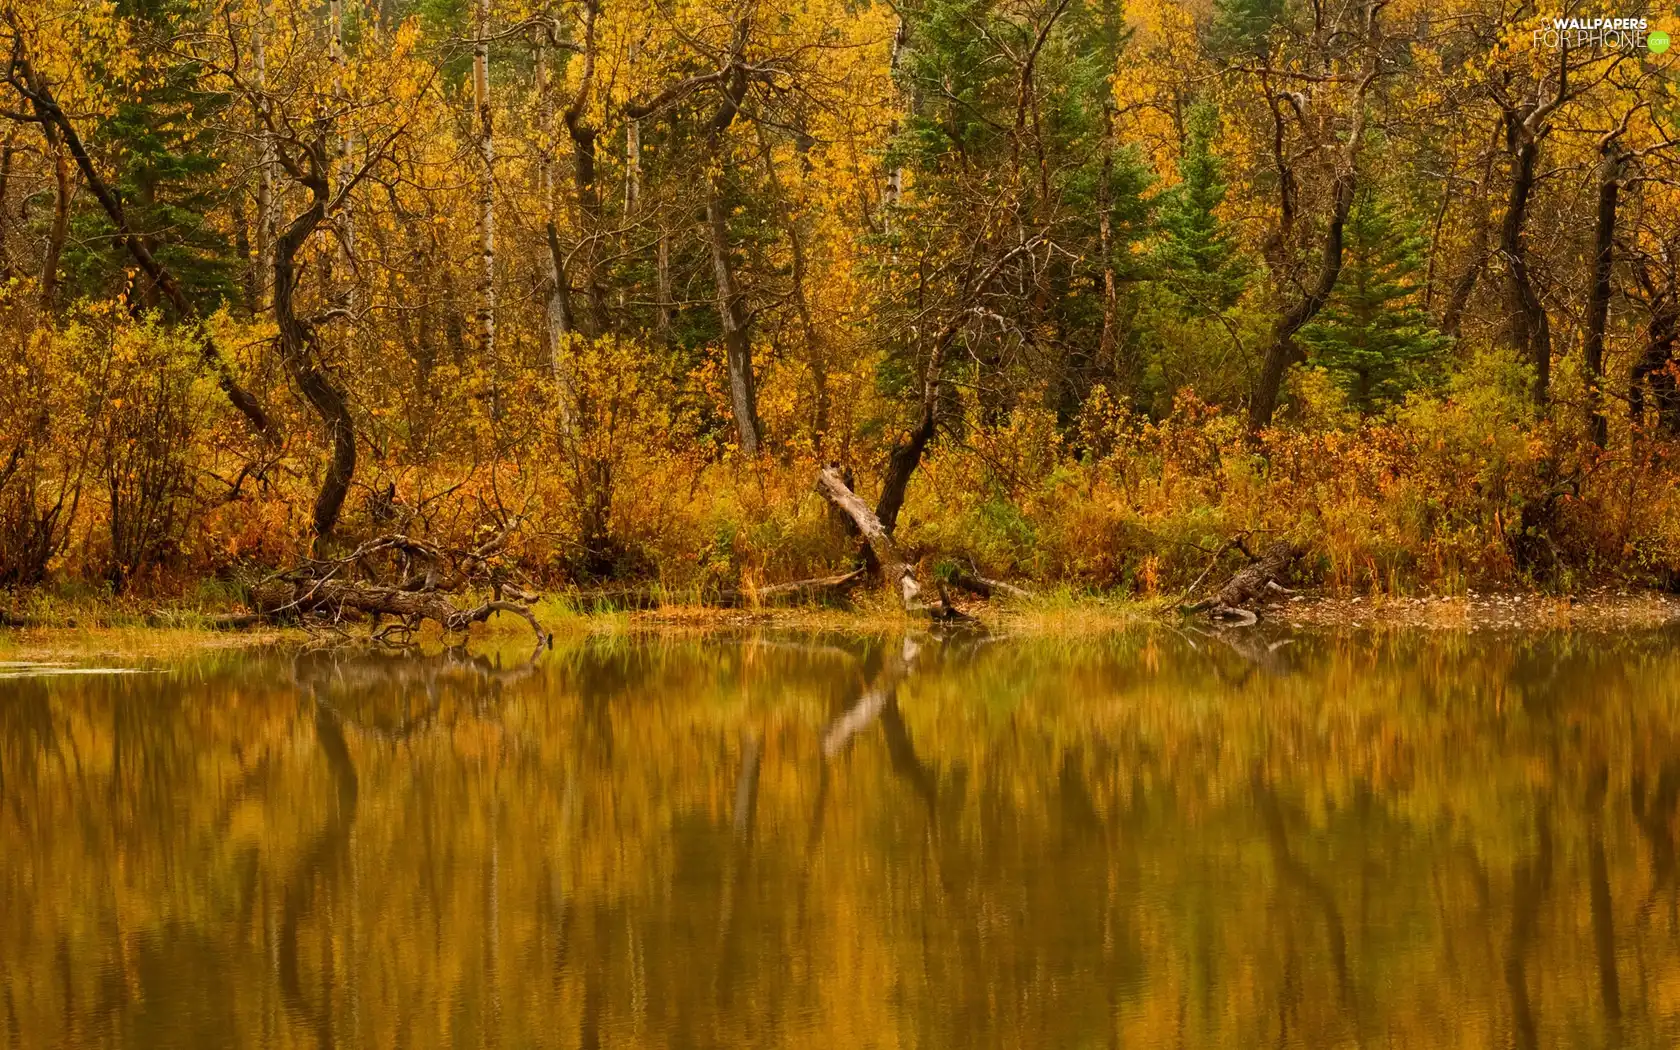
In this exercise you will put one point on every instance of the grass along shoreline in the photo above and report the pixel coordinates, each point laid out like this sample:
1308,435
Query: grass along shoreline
44,623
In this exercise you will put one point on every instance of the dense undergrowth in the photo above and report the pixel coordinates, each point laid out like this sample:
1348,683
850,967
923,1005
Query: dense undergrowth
135,487
1099,288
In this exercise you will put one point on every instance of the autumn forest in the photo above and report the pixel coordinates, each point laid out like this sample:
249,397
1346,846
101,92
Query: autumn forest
1069,292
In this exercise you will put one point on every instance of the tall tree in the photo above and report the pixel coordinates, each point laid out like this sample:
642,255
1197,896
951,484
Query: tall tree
1198,256
1365,42
1373,334
486,140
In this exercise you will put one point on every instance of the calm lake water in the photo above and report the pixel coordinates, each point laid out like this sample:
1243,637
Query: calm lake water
1141,840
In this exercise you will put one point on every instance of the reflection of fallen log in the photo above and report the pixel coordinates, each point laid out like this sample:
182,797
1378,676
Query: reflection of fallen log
869,706
1251,586
394,695
1259,653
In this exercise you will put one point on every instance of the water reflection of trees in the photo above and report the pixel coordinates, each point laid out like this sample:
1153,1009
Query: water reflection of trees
1383,840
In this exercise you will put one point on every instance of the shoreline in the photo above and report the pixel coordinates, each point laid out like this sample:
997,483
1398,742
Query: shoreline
113,628
1485,611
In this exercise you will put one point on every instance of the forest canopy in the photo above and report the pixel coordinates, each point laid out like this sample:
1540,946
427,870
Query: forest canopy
1074,291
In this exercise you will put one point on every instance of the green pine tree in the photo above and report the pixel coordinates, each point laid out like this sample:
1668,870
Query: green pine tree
1240,26
1197,257
162,157
1051,170
1373,334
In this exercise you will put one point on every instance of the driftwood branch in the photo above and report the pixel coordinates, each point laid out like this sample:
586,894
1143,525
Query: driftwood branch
1251,586
810,590
395,576
984,587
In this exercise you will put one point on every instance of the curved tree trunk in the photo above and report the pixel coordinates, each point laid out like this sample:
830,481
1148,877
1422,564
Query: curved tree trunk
1459,299
297,352
585,183
906,457
1652,367
1282,351
1452,317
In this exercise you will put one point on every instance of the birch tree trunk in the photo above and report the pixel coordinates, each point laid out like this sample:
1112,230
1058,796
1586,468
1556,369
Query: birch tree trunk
263,279
558,305
895,178
732,312
60,229
7,150
633,148
486,203
347,222
663,286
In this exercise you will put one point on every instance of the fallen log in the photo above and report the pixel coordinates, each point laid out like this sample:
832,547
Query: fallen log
333,598
895,571
982,587
1251,586
329,592
810,590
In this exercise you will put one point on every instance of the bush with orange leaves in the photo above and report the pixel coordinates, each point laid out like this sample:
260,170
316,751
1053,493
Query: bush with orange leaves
1458,488
122,468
